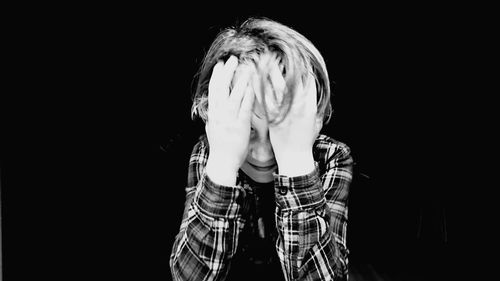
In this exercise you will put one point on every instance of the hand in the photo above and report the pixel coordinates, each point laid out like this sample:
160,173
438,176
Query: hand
293,138
228,125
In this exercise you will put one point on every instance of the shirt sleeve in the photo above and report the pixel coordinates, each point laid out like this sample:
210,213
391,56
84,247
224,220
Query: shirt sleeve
312,218
211,223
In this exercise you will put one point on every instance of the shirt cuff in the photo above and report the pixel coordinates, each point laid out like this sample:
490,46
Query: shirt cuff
218,200
294,193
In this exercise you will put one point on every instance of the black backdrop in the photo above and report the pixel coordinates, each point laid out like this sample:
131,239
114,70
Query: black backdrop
85,190
390,71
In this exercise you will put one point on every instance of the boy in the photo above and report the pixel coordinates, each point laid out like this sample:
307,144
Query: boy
267,193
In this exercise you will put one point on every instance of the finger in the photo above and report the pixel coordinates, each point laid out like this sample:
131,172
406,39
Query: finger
214,84
255,80
277,81
274,86
259,81
263,63
312,94
247,105
271,104
227,75
239,88
298,97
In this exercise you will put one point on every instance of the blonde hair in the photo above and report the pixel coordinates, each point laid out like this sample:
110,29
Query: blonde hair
297,58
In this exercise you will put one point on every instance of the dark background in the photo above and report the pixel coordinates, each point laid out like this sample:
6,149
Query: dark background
392,87
88,192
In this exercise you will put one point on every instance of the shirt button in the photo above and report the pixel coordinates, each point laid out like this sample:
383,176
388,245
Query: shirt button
283,190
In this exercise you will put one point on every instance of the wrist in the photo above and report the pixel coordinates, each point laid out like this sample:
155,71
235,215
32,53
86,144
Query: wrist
296,164
221,172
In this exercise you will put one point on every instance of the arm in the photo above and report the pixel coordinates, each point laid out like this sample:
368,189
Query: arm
311,204
210,226
312,217
208,236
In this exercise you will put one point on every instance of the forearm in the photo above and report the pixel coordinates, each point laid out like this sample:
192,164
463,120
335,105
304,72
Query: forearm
205,244
305,238
221,170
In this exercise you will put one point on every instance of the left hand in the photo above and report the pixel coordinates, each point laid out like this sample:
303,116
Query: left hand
293,138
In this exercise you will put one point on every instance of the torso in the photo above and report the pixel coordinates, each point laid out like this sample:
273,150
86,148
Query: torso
256,254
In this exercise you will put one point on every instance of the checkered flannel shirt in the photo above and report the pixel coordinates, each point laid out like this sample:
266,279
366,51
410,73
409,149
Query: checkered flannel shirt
310,219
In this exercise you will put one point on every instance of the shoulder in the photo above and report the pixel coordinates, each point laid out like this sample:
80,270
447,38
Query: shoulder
200,149
201,143
328,150
203,140
324,142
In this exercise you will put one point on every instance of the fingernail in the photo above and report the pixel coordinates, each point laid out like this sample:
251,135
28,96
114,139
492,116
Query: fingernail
232,59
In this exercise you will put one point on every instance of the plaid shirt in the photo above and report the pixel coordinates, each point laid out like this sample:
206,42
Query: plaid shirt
304,217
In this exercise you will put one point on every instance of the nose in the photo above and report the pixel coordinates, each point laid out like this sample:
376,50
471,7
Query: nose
262,152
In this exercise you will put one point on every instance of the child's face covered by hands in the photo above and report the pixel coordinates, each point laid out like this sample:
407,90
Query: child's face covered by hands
243,98
260,162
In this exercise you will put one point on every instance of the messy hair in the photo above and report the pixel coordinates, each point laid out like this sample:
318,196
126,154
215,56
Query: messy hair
296,55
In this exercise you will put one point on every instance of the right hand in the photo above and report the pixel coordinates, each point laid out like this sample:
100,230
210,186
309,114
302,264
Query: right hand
228,125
